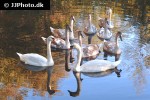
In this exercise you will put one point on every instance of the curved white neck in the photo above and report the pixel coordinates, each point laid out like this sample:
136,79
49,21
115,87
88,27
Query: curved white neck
49,55
67,39
71,26
80,39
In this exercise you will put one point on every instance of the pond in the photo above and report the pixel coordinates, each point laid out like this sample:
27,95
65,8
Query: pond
21,31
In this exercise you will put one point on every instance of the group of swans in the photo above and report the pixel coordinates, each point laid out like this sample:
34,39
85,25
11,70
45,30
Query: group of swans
89,50
64,39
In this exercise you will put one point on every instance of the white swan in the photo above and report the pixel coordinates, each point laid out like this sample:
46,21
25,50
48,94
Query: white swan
60,33
36,59
59,43
93,65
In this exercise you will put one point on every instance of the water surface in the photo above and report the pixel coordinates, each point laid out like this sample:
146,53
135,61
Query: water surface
21,31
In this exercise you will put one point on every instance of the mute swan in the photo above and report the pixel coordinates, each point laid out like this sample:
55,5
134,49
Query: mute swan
110,25
90,51
104,33
60,33
59,43
112,48
36,59
93,65
90,30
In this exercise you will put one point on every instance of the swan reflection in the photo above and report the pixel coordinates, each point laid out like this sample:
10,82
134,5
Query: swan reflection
104,73
49,70
97,74
78,80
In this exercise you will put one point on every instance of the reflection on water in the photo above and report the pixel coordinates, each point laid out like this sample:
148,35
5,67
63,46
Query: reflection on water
79,80
22,31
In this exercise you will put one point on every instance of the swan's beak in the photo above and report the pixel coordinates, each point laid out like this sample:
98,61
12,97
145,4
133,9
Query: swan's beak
121,37
44,39
81,33
73,18
71,47
68,28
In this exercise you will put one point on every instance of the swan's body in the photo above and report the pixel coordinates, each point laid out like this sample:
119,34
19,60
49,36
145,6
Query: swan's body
60,33
112,48
104,34
36,59
90,30
93,65
90,51
59,43
110,24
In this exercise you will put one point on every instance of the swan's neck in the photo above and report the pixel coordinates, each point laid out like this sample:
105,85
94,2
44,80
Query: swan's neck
49,55
110,16
49,71
79,57
78,78
105,28
116,39
71,26
80,40
89,20
67,39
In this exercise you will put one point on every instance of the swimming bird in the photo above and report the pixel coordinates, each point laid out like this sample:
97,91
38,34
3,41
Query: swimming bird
36,59
90,30
92,65
90,51
59,43
110,24
112,47
60,33
104,33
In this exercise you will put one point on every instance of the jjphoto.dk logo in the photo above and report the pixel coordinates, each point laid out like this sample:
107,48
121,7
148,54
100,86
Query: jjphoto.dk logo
39,4
25,5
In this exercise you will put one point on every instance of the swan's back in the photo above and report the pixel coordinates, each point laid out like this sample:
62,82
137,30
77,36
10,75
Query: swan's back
98,65
33,59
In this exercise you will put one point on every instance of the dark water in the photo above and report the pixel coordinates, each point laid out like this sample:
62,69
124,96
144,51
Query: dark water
21,31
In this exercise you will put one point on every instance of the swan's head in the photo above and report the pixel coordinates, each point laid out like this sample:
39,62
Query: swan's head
50,38
80,33
89,16
76,46
73,18
108,11
44,39
119,34
68,28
